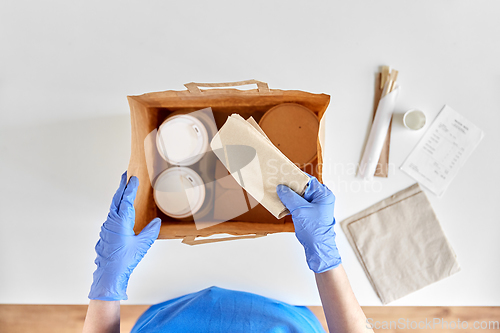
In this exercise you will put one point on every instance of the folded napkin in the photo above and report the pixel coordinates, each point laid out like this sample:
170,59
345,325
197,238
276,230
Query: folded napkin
256,164
400,244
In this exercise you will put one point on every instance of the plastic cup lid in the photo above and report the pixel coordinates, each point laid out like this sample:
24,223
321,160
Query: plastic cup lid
179,192
182,140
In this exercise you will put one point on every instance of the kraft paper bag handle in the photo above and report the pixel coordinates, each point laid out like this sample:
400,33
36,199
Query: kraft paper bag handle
190,240
194,88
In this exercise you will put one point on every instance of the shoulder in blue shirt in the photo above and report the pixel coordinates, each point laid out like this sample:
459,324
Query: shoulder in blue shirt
220,310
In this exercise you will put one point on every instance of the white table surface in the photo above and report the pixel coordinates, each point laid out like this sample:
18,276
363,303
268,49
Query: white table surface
65,72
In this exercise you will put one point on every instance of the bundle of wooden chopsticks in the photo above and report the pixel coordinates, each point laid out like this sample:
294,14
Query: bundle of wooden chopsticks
388,81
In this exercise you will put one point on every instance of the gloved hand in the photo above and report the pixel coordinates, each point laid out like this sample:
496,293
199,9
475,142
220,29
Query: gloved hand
119,250
313,219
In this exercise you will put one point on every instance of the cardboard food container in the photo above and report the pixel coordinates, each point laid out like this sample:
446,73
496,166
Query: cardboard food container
148,111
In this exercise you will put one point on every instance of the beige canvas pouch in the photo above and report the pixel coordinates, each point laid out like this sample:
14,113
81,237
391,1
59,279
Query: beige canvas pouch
400,244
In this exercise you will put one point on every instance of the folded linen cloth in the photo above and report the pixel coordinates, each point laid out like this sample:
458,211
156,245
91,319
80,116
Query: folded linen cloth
256,164
400,244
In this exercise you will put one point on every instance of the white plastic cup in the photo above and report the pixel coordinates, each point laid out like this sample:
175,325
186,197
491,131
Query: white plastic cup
179,192
414,119
182,140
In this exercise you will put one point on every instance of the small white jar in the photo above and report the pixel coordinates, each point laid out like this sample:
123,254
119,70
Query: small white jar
179,192
182,140
414,119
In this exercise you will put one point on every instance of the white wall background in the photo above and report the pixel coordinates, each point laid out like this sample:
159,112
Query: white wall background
66,69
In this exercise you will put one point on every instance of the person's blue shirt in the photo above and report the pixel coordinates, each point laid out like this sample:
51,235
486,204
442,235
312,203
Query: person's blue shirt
220,310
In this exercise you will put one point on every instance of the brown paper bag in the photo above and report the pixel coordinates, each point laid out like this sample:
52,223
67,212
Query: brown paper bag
149,110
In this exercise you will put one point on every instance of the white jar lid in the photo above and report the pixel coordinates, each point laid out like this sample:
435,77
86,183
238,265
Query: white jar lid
414,119
179,192
182,140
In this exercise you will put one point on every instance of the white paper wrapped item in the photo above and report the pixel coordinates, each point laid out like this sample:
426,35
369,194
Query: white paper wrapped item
256,164
378,133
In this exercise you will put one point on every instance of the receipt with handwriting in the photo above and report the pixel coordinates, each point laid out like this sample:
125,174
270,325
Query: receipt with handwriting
441,152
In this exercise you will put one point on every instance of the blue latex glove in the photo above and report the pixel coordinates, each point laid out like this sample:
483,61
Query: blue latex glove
313,219
119,250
